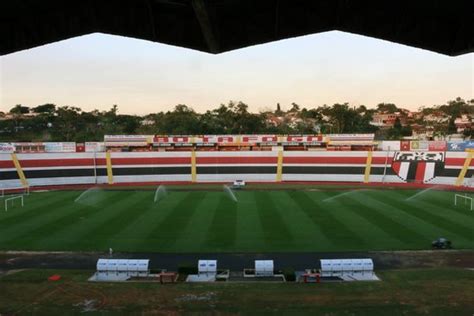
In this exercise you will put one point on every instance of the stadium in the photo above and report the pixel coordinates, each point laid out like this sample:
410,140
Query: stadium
254,212
330,222
178,199
147,193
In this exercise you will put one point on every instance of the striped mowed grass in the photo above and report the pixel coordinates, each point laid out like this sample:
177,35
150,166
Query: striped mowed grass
260,221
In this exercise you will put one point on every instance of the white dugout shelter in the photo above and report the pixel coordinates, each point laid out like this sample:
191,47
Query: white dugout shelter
264,268
207,272
208,267
121,269
355,269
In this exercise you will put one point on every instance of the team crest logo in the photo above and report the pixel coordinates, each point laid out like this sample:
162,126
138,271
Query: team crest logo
418,166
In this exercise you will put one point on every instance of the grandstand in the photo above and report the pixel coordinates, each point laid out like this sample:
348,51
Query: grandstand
225,158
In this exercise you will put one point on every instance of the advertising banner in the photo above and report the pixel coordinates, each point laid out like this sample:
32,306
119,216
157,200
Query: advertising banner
68,147
128,138
351,137
405,145
173,139
419,145
94,147
456,146
388,145
460,145
52,147
6,148
302,139
423,145
437,145
257,139
469,144
37,144
414,145
126,144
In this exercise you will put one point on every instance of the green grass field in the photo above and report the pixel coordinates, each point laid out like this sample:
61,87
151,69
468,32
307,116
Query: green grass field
208,220
402,292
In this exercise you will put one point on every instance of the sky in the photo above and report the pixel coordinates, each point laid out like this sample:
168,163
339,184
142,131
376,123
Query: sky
97,71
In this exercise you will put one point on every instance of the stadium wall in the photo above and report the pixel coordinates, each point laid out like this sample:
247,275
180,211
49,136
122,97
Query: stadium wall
47,169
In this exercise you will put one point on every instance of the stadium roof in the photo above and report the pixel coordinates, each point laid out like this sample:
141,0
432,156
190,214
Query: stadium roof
217,26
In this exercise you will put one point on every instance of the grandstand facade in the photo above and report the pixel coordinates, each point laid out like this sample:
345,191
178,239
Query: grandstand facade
132,159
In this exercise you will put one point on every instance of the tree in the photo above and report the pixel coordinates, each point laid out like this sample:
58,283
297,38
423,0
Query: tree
387,107
19,109
241,121
224,119
406,131
452,126
67,123
341,118
278,110
113,111
469,133
363,121
47,108
182,121
456,108
294,107
362,109
396,131
398,124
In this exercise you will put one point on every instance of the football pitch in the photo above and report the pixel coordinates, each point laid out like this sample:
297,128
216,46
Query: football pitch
211,219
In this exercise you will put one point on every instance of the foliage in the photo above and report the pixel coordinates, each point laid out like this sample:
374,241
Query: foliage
289,274
451,126
344,119
19,109
187,268
49,122
457,107
387,108
278,110
48,108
